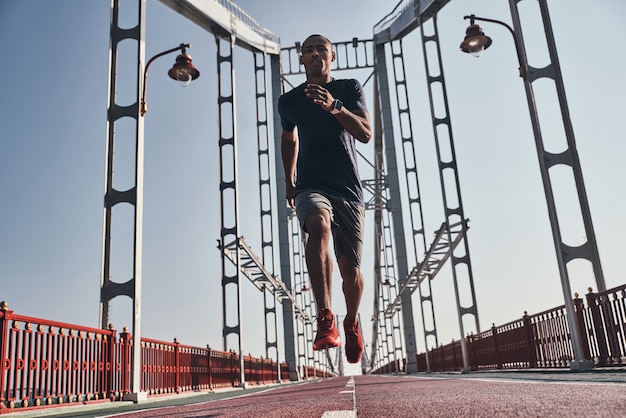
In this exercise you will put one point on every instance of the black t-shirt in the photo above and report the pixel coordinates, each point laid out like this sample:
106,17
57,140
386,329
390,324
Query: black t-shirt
327,155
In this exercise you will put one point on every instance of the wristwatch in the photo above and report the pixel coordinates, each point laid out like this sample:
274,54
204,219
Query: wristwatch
336,107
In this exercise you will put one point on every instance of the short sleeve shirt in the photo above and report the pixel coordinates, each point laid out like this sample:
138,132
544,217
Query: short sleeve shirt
327,155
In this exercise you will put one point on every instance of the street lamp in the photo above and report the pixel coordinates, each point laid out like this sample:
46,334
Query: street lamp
183,70
476,41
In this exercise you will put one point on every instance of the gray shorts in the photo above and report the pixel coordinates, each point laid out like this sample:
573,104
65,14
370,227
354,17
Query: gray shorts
348,219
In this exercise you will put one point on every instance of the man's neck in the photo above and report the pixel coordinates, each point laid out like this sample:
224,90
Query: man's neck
321,80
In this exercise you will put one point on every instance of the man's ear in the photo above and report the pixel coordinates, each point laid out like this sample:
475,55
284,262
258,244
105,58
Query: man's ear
301,63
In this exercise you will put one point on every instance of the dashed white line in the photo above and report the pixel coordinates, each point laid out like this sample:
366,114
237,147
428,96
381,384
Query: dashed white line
346,413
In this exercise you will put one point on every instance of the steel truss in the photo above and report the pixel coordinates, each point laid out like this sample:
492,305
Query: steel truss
265,198
406,17
133,196
386,346
588,250
232,27
394,283
449,178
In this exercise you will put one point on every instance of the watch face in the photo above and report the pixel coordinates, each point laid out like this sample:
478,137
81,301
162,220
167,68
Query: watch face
336,108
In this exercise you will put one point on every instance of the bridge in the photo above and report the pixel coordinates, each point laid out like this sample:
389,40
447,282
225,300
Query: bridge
257,274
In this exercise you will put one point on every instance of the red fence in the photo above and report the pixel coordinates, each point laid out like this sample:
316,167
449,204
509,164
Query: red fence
47,363
542,340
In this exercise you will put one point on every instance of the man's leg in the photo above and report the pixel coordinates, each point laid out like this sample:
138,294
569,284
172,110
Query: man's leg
320,267
318,258
352,289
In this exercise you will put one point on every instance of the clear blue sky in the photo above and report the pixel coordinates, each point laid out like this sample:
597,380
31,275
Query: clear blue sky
52,146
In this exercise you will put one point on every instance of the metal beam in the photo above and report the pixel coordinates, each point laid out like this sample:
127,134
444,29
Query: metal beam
434,259
252,267
404,18
227,17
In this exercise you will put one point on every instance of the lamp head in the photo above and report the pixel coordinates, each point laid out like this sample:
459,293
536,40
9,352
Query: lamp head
475,41
183,69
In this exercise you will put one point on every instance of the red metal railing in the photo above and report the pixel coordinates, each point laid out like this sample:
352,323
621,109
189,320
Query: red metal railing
309,372
604,323
542,340
48,363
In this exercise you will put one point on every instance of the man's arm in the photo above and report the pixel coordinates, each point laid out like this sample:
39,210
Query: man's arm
357,123
289,152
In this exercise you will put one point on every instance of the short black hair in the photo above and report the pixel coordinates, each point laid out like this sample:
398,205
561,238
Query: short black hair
316,35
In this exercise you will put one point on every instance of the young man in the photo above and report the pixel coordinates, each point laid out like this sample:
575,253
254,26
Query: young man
323,184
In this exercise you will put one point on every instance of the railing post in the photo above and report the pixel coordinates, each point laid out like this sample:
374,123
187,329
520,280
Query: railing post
609,324
232,368
494,334
471,349
453,346
579,308
443,358
592,302
5,316
247,373
109,365
177,366
125,348
530,341
208,349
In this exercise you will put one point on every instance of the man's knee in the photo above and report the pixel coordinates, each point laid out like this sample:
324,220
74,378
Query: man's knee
349,271
318,223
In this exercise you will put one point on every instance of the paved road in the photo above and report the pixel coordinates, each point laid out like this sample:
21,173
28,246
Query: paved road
488,394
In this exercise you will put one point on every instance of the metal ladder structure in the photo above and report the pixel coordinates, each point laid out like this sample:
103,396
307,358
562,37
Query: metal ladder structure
265,199
450,186
253,269
304,328
439,252
406,17
386,345
588,250
109,289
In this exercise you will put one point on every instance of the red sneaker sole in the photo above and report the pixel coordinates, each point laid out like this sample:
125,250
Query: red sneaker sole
353,361
326,344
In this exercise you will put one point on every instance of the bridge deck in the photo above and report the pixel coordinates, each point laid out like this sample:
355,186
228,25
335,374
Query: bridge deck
480,394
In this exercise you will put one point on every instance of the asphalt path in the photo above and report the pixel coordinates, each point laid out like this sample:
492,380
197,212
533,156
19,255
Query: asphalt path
421,395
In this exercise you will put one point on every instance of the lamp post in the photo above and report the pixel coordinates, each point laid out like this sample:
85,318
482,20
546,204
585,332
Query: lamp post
475,42
184,71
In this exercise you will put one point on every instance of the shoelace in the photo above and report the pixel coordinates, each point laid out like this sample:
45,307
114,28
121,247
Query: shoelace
324,322
352,336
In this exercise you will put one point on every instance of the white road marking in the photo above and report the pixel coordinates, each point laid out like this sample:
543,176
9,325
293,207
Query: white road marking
339,414
346,413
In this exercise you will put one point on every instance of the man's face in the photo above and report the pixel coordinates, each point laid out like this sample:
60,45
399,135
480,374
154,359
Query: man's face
317,54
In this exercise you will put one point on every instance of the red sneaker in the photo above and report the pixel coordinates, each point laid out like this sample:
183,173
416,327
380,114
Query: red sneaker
327,333
354,341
